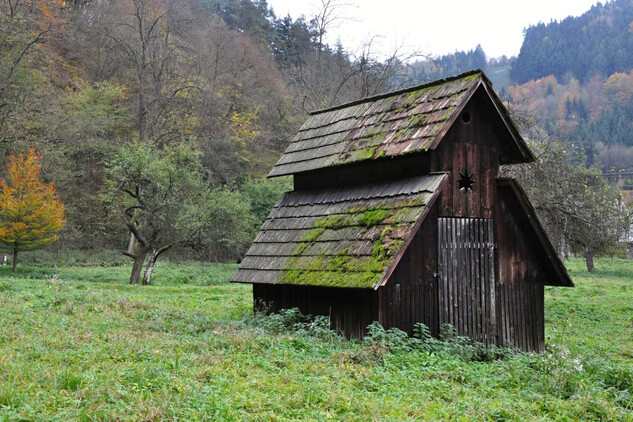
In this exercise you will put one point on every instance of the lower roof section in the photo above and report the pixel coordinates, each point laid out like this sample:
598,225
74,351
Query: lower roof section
350,237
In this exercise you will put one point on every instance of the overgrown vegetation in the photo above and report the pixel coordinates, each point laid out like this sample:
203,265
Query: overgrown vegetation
82,344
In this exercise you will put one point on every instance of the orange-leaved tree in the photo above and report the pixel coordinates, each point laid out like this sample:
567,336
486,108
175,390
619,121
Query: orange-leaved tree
30,212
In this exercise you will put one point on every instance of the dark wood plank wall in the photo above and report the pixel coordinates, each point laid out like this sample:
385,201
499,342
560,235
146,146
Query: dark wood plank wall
350,310
466,277
520,280
519,256
520,312
411,295
469,148
378,170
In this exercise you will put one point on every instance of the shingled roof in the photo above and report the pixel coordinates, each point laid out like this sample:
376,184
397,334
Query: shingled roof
342,237
390,125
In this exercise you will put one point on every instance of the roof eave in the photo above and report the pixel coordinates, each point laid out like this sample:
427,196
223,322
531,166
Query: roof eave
526,155
548,248
458,110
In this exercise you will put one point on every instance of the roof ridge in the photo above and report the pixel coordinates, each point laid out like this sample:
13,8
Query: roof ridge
402,91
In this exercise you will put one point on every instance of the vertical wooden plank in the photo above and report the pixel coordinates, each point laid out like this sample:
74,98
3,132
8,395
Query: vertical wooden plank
480,173
473,252
458,279
529,314
507,314
458,304
449,273
480,280
520,293
533,317
461,196
515,311
500,307
491,277
487,183
481,285
463,279
443,271
524,324
451,276
541,310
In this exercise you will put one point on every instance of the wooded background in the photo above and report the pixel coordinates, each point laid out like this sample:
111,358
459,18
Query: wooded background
160,117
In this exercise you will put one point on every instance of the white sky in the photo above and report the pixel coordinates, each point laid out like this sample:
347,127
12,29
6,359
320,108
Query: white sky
436,27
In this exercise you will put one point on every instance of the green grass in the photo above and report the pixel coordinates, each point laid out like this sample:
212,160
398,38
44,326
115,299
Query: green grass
81,344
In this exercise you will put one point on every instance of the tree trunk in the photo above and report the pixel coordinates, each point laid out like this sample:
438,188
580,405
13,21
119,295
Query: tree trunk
15,261
147,278
562,248
131,246
589,259
142,118
139,260
629,250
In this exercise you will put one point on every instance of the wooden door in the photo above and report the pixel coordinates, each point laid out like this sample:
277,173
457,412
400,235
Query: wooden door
466,277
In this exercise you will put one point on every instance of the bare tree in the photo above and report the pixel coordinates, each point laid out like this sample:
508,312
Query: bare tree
150,34
322,77
25,27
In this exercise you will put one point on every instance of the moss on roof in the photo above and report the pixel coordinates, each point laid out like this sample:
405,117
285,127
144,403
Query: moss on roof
393,124
345,237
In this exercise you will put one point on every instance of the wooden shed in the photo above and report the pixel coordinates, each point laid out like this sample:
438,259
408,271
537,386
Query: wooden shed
398,215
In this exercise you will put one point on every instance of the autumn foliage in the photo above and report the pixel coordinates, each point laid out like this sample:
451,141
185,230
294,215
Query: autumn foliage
31,215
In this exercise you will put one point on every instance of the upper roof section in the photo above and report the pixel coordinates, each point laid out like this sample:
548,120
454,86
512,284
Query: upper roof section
391,125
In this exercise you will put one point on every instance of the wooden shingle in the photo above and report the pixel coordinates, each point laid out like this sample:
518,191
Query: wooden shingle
390,125
345,237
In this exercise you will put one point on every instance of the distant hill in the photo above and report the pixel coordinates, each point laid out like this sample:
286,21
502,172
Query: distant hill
598,42
498,70
575,77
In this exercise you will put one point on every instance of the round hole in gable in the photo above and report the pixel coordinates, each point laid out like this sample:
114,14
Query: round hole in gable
466,117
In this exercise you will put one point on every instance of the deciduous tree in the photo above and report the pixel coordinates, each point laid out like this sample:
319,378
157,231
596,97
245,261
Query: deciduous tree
575,203
30,213
166,192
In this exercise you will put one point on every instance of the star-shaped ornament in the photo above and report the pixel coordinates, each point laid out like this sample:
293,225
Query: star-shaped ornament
466,181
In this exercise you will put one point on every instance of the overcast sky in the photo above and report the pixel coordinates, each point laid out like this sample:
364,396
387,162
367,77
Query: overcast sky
436,27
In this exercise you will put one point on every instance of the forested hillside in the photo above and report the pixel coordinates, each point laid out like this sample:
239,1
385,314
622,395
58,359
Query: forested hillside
576,78
120,95
598,42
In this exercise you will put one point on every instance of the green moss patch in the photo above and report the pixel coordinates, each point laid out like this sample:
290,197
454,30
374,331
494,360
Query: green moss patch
374,216
343,268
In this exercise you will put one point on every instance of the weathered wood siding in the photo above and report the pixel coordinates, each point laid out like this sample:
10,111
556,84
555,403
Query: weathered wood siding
466,277
411,293
469,148
522,270
376,171
350,310
520,312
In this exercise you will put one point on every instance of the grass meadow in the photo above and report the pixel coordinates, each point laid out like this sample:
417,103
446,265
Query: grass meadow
78,343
